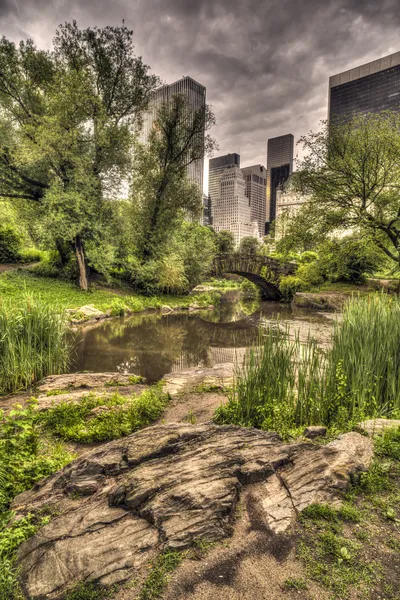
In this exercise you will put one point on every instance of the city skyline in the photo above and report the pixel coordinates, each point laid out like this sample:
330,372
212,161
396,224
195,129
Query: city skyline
266,67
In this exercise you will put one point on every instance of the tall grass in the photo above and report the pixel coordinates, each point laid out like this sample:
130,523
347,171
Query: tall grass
284,384
33,343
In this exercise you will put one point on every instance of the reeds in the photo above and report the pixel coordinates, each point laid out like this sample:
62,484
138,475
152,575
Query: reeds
284,383
33,343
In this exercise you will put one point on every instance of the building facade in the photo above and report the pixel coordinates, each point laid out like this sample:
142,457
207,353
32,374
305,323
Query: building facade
370,88
280,152
231,210
206,217
288,204
216,167
195,93
256,186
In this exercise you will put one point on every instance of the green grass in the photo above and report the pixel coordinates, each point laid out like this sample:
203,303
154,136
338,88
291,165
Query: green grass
25,458
156,582
285,384
355,547
33,342
13,285
121,416
90,591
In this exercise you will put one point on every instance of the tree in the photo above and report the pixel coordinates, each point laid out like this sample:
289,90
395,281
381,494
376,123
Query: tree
352,173
161,193
249,246
225,242
66,129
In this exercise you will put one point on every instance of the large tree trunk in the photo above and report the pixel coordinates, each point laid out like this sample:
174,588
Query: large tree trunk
81,260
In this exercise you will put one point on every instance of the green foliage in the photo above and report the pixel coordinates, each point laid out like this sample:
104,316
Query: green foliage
33,343
249,246
10,244
387,444
161,194
289,285
118,416
351,172
225,242
11,537
157,580
68,144
285,384
349,259
25,457
295,583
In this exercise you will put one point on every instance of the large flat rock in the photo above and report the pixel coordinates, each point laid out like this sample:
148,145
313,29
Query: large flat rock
167,486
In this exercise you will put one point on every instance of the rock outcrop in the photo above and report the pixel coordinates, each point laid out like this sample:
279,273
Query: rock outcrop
326,301
167,486
376,426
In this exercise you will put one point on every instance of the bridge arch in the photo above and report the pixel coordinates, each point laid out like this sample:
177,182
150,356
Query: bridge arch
251,267
269,291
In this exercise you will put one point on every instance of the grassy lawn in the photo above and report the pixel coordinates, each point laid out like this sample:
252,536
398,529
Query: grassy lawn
15,284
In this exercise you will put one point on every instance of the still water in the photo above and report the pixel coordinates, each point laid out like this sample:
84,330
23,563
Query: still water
153,344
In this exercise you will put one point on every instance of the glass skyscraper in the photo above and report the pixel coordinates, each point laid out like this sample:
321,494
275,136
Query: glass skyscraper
196,96
370,88
279,167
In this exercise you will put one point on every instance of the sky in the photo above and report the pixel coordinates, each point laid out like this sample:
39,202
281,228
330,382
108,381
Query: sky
265,63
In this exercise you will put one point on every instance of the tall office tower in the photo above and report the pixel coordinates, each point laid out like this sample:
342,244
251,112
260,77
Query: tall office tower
231,210
196,96
206,217
216,167
256,186
371,88
279,168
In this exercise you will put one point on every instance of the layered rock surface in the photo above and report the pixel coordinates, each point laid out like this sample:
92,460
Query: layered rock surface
167,486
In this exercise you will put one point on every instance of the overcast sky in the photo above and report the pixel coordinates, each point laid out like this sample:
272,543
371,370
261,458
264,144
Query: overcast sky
265,63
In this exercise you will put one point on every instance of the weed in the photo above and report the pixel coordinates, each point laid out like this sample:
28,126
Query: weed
56,392
205,388
90,591
157,580
76,422
132,380
191,417
295,583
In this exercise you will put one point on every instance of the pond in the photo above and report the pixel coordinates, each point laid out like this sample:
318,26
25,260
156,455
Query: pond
153,344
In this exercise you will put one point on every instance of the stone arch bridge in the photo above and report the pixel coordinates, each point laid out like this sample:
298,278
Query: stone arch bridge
264,271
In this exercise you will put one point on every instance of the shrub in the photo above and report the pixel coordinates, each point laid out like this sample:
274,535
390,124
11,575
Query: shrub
289,285
349,260
10,243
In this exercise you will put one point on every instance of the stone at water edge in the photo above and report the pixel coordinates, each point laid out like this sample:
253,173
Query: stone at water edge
375,426
166,486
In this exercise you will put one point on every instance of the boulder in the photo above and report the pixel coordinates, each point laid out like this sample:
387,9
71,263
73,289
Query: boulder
167,486
314,431
328,301
375,426
187,380
166,309
75,381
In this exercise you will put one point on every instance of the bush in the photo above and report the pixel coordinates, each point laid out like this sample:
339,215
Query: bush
10,243
349,260
289,285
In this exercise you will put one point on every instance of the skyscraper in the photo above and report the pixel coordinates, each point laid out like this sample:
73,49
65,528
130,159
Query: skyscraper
279,168
370,88
196,96
256,185
231,210
216,167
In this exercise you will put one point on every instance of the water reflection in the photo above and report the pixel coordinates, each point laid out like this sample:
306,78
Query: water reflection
152,345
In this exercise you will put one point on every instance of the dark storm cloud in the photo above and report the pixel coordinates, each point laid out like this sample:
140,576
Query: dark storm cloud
265,63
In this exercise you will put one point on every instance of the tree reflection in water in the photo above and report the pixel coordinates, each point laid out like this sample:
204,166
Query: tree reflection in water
152,345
